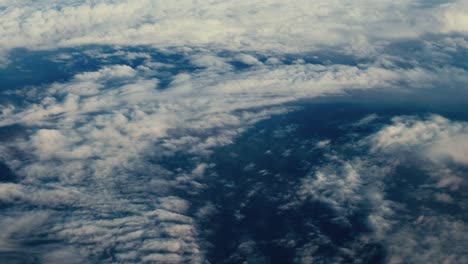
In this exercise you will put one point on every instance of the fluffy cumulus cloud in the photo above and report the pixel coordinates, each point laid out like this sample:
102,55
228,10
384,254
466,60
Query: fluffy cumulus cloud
440,142
94,159
436,138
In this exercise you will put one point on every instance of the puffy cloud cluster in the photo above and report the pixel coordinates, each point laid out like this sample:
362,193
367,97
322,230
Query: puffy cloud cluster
438,141
436,138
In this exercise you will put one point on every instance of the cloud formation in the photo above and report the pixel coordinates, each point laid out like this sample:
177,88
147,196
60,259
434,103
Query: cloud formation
438,139
295,26
91,155
364,184
87,138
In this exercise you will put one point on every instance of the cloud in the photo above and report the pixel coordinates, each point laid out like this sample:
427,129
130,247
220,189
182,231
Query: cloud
430,239
88,141
454,16
100,120
454,148
247,59
438,145
95,143
210,61
437,138
18,230
365,184
295,26
346,187
64,255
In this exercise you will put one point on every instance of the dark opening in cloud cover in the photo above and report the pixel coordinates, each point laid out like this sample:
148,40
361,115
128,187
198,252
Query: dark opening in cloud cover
270,131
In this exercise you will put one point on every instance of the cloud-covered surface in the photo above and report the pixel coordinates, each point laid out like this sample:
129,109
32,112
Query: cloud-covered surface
293,26
110,160
85,139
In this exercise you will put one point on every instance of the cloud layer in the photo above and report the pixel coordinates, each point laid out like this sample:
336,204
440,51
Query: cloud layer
295,26
88,139
98,157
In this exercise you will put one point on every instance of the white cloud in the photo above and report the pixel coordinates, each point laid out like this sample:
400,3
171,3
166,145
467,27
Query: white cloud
454,16
439,146
366,120
347,186
453,148
247,59
97,114
112,72
293,26
210,61
437,138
